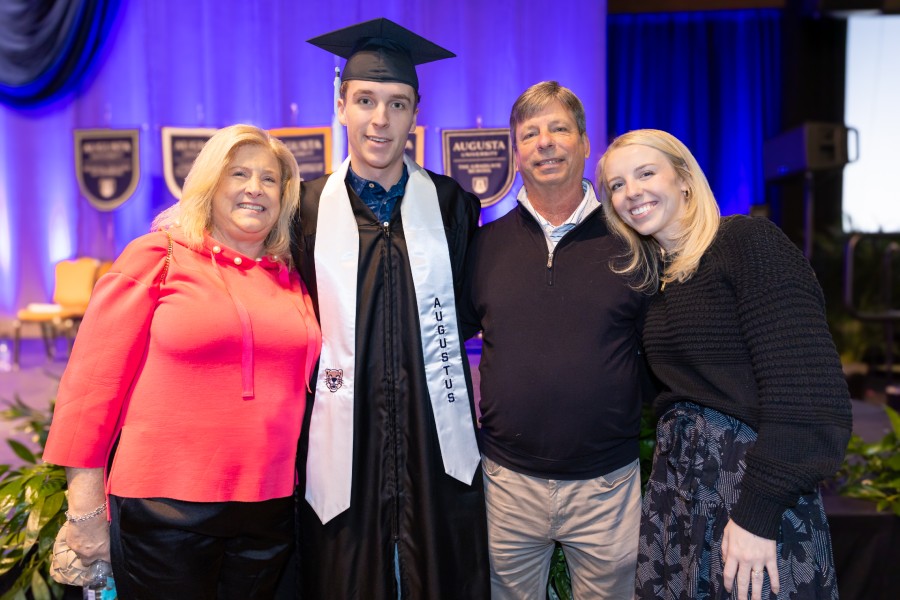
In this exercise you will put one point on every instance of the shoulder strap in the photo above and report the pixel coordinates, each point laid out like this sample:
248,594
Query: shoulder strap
165,271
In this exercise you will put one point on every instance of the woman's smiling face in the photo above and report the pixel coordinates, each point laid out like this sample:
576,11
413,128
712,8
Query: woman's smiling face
646,192
247,201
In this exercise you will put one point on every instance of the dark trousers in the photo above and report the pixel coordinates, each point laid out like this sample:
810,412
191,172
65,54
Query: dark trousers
170,549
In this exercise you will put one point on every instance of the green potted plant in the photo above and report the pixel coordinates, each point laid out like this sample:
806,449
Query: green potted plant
33,502
871,471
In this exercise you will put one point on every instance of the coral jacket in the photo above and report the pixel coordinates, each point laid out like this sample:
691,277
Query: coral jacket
199,367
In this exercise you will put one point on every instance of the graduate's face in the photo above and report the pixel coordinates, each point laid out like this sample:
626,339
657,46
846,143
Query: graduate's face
646,192
379,117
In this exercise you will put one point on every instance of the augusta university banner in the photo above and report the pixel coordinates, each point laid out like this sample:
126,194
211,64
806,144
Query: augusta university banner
311,147
480,160
107,165
180,146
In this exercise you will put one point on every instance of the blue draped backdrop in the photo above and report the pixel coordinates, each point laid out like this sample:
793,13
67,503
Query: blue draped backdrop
47,46
710,78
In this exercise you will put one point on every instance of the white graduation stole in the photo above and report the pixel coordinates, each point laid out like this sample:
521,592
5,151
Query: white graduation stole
329,465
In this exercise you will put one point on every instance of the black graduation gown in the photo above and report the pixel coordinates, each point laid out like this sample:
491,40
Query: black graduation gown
400,493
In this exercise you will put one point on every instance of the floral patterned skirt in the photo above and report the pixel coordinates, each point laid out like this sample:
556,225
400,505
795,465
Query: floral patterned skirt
696,478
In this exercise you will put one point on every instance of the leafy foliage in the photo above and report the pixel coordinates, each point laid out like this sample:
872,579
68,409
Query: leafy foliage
560,585
872,471
33,501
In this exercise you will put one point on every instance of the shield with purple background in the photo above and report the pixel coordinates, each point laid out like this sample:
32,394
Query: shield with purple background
480,160
107,165
181,145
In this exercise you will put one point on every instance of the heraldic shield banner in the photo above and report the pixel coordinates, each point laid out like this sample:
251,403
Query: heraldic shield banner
311,147
181,145
480,160
107,165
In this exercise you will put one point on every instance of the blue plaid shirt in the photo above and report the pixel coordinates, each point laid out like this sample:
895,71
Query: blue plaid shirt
380,201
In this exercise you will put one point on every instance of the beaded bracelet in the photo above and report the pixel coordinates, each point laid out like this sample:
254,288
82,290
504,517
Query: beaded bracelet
96,512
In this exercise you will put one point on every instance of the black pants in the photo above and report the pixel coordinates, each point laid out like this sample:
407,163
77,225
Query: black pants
170,549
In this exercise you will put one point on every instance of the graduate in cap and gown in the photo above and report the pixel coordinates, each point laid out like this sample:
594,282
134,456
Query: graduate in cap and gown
392,497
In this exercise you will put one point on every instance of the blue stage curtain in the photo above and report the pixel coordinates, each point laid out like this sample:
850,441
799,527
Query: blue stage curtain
46,46
712,79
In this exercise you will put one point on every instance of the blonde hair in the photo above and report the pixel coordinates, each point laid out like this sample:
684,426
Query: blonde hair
699,223
193,213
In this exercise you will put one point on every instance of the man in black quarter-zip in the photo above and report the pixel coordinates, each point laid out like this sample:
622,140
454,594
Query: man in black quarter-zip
562,373
394,503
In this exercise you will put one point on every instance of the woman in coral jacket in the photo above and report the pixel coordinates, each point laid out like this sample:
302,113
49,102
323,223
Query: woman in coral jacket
194,354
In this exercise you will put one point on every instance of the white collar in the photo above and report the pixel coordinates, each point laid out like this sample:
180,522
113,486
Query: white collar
588,205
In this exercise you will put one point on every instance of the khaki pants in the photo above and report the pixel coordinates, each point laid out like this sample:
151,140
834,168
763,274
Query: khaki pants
595,520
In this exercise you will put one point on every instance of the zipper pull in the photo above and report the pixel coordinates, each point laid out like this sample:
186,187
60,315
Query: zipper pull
387,228
550,260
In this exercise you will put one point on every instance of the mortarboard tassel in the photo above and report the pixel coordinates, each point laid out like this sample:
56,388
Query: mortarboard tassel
338,150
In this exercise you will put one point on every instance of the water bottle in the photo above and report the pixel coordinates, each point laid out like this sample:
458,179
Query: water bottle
99,584
5,357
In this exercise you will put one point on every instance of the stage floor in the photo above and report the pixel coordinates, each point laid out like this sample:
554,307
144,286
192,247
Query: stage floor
35,384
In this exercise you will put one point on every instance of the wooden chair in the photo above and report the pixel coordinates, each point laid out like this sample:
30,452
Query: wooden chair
72,323
74,282
103,269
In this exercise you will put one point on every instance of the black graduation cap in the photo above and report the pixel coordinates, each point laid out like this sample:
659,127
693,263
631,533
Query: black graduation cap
380,50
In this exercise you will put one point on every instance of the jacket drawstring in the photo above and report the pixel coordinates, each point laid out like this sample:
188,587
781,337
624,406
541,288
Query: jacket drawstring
246,336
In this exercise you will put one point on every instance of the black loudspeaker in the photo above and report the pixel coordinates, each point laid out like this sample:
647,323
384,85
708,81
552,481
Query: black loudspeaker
811,147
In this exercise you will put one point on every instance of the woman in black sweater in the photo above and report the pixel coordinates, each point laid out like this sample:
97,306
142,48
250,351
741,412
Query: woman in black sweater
754,410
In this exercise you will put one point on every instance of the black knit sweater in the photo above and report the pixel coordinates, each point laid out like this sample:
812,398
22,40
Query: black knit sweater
747,336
